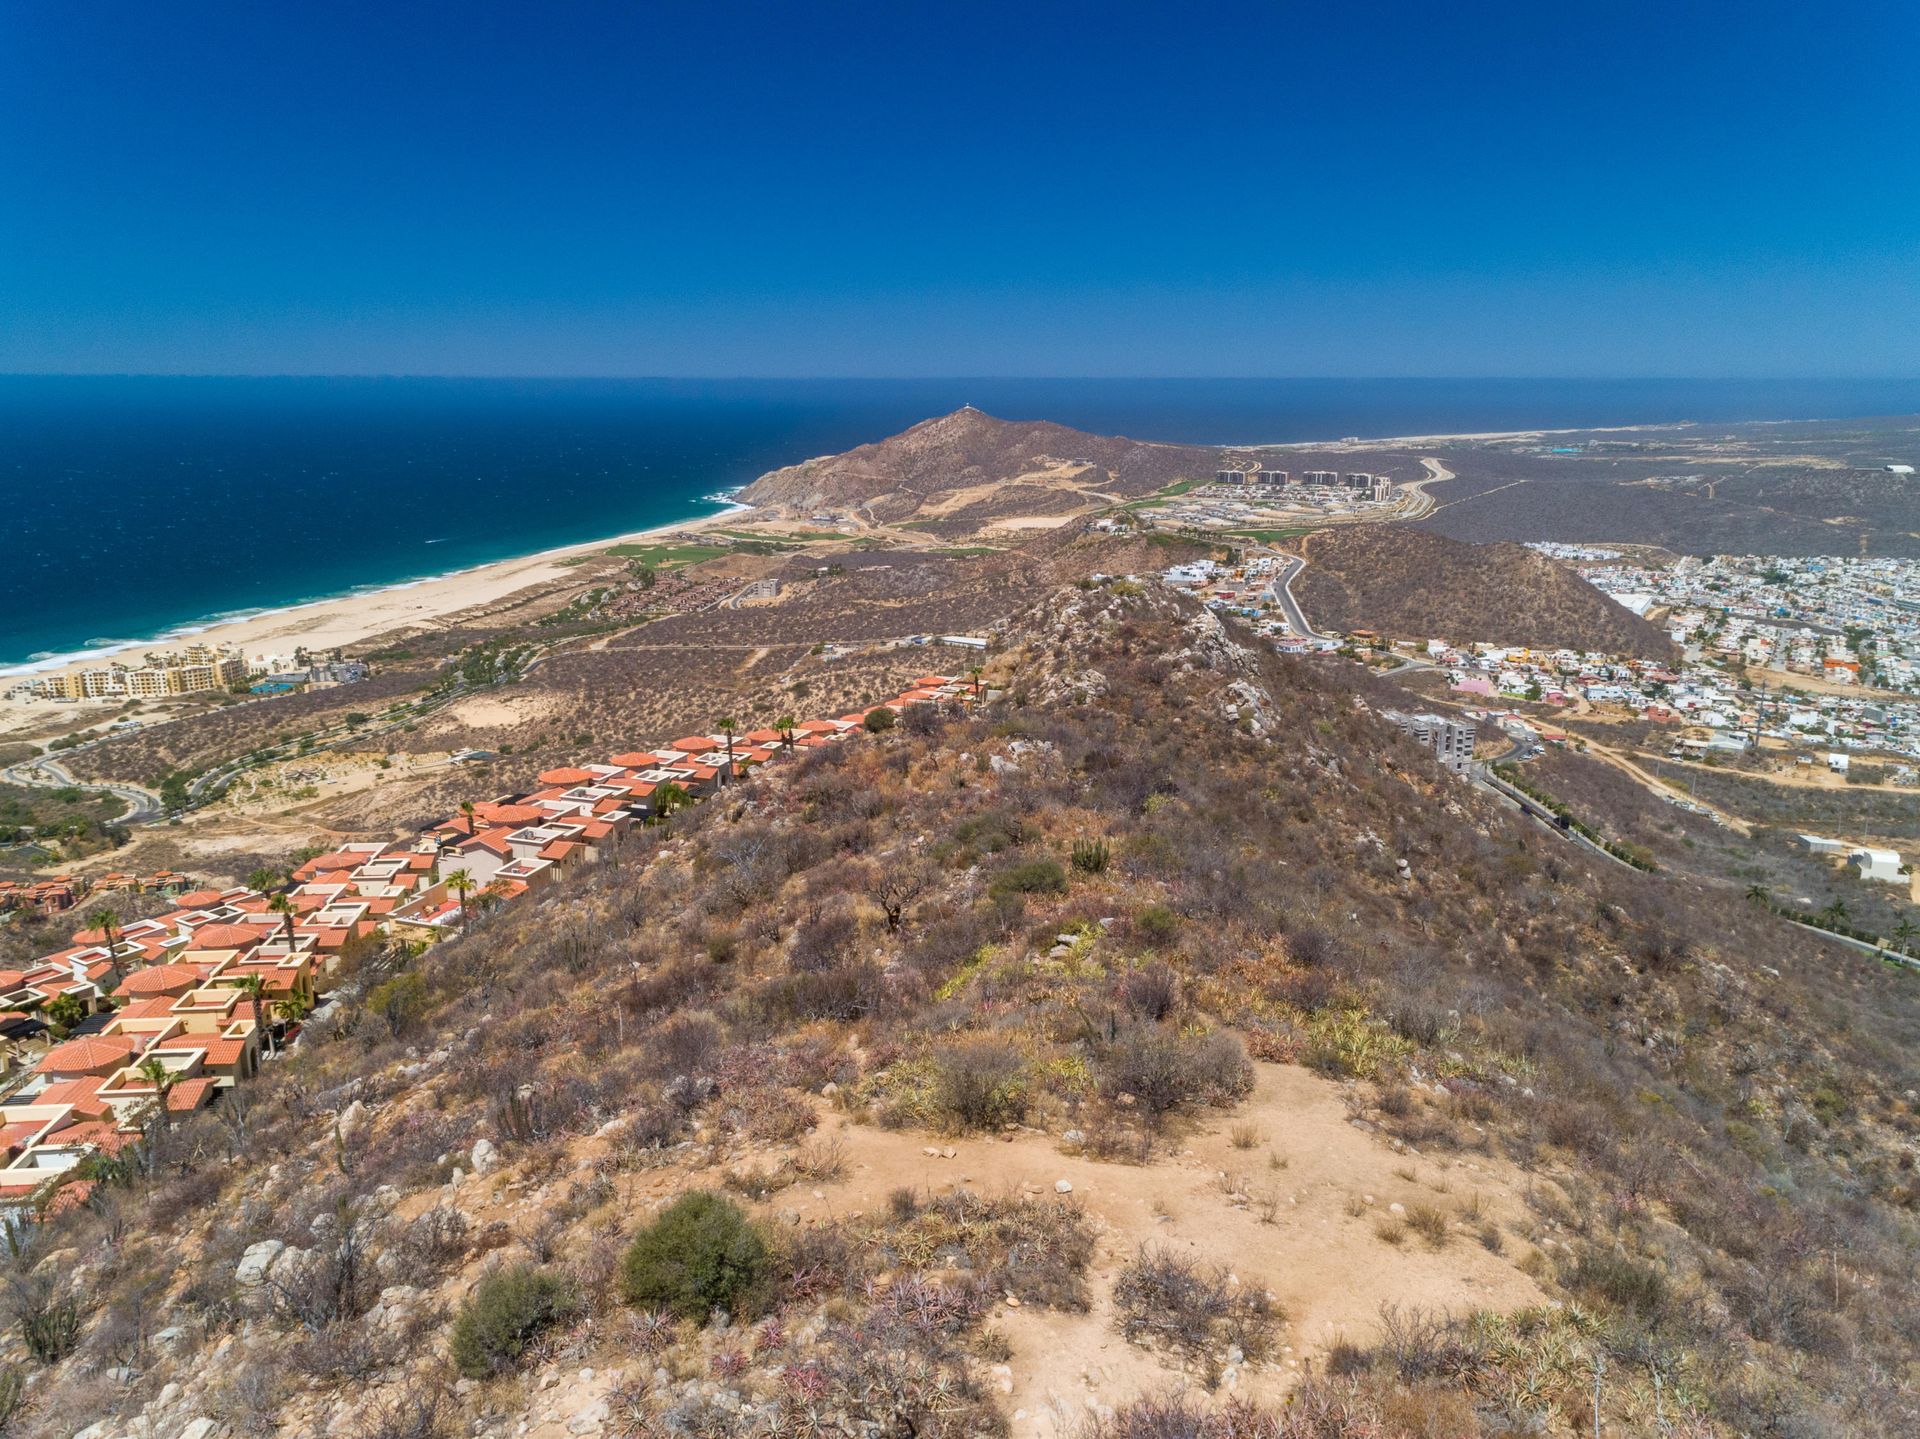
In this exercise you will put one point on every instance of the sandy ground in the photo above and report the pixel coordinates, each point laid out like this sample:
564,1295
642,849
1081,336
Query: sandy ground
1332,1185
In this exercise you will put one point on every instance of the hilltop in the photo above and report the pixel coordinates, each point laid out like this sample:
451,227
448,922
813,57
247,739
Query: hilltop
1168,1036
1406,582
967,468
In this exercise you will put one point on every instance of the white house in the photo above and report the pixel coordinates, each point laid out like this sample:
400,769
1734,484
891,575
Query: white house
1878,864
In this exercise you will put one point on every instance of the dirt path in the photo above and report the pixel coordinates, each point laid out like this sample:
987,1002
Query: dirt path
1661,788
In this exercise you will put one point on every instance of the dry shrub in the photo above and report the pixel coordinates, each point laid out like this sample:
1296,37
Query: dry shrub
980,1084
1167,1298
1165,1070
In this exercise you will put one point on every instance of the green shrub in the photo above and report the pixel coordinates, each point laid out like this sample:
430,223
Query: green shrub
505,1312
1036,876
879,721
1156,923
703,1253
400,1001
1621,1281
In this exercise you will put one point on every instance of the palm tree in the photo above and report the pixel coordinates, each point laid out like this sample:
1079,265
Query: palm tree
163,1079
262,880
104,919
295,1007
1758,893
725,724
1904,931
461,883
467,813
975,673
1835,912
255,989
785,725
666,799
281,905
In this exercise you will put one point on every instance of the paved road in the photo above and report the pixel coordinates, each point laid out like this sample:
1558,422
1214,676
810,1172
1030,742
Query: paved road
143,806
1290,567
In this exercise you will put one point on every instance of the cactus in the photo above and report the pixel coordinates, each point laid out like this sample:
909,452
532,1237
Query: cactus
1090,856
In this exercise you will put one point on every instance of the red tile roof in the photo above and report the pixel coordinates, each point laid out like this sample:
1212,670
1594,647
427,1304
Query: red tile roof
161,979
226,936
82,1056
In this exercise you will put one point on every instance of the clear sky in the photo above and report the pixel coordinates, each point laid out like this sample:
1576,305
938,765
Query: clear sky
837,187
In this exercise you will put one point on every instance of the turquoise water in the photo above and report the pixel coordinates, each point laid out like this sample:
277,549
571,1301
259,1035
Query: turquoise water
134,507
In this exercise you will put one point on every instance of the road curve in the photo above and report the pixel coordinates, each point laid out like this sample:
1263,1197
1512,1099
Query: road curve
143,806
1290,567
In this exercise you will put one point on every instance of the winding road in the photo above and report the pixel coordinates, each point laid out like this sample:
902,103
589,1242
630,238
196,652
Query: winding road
1290,567
45,772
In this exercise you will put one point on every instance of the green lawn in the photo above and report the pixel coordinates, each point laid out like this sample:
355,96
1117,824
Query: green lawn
969,550
785,537
1267,537
664,555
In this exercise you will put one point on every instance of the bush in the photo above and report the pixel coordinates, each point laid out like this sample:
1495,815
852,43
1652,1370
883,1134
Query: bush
505,1312
1165,1070
879,721
981,1085
1036,876
400,1001
1165,1297
701,1254
1621,1282
1156,923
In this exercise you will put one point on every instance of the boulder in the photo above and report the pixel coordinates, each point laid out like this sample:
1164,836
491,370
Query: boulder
255,1263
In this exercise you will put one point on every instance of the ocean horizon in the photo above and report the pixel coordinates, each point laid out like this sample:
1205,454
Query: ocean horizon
146,508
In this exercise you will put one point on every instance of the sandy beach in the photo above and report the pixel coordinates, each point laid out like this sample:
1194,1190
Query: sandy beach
353,619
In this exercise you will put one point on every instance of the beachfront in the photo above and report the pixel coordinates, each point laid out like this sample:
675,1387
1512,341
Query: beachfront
353,619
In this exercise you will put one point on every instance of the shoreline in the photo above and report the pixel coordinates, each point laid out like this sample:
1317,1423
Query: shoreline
363,613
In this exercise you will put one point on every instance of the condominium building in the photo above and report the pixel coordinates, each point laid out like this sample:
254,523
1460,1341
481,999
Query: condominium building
1451,740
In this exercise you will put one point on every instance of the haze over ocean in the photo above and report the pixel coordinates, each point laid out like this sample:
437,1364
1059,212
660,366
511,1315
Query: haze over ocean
135,506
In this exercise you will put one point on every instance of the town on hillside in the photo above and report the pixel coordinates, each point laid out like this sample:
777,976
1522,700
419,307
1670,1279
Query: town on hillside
136,1023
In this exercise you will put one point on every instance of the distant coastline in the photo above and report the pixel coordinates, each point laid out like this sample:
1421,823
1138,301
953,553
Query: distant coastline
144,511
366,611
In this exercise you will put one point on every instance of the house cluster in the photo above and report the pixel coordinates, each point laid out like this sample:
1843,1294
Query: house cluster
1249,590
1733,715
156,1017
1846,621
1243,501
63,891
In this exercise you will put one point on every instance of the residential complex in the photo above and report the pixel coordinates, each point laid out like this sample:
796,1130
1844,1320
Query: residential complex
167,1013
198,669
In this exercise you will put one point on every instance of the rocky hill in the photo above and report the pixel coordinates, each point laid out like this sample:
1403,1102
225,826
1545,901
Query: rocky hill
971,462
1411,582
1168,1050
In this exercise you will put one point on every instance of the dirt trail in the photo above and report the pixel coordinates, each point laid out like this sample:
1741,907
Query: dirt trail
1325,1264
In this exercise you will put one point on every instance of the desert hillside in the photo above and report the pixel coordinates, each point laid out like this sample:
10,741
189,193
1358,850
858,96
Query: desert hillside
968,467
1411,582
1165,1049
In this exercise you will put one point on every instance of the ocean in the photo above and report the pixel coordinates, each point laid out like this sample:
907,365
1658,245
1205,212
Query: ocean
135,508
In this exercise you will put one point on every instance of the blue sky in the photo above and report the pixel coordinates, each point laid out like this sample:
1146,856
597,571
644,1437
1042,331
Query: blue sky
852,188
